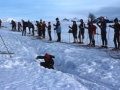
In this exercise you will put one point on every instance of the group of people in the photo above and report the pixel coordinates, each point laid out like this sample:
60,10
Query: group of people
41,28
92,31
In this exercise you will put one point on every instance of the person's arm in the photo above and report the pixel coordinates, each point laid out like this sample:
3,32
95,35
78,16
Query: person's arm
40,57
112,26
52,56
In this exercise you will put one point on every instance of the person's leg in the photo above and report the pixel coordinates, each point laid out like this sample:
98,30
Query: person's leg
115,41
43,64
102,37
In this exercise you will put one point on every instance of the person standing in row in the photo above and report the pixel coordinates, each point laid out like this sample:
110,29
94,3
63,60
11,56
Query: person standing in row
40,29
81,31
74,31
49,31
19,26
102,26
116,40
58,31
43,28
56,27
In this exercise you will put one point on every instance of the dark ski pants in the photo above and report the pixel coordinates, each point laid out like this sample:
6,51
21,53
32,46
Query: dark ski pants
24,31
43,33
49,33
50,66
104,39
39,32
75,36
59,37
116,41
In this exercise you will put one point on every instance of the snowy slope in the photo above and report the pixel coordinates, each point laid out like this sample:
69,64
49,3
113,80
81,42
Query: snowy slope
76,67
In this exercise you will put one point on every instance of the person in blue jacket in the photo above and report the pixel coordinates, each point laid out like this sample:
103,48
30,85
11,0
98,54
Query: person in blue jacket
58,31
102,26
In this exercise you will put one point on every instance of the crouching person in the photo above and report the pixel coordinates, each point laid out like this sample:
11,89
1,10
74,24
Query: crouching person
49,63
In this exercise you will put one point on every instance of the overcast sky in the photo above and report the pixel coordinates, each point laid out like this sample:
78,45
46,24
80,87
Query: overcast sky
50,9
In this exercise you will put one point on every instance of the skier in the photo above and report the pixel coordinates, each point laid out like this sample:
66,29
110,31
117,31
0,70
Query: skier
33,28
56,26
0,23
90,36
92,31
116,27
74,31
49,63
25,24
13,25
81,31
102,26
43,28
37,24
29,26
57,21
19,26
58,31
40,29
49,31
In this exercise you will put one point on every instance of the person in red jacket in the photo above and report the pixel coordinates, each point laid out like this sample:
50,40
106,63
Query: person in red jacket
49,63
19,26
0,22
92,32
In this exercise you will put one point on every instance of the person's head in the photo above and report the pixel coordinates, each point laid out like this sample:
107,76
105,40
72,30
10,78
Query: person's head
102,19
43,22
74,22
40,20
81,20
116,20
47,56
91,23
48,23
57,19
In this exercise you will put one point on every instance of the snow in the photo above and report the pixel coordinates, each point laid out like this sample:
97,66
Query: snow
76,67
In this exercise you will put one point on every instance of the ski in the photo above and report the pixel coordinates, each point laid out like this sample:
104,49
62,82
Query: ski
5,52
114,54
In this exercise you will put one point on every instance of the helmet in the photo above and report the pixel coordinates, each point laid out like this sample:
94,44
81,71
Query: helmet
47,56
116,19
57,18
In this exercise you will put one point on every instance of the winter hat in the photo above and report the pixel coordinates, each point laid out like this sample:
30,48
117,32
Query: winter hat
47,56
57,18
116,19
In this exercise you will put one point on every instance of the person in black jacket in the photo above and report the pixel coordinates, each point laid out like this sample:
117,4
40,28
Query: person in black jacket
57,23
116,27
74,31
49,31
81,31
13,25
49,63
102,26
25,24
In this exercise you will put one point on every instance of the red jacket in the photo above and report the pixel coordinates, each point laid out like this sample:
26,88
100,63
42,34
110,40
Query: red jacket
93,29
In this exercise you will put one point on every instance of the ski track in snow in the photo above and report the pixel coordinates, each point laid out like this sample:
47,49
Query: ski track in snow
76,67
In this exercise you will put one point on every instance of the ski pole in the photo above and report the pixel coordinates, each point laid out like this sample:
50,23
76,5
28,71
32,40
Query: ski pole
108,33
5,46
69,37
